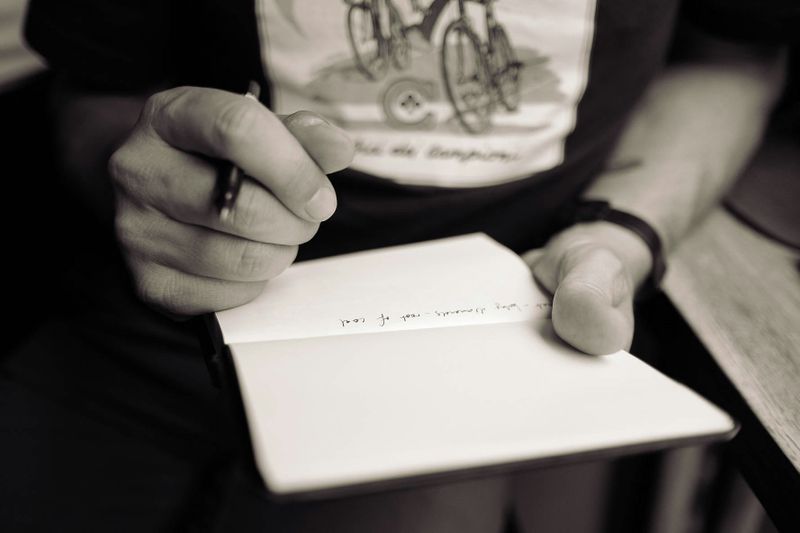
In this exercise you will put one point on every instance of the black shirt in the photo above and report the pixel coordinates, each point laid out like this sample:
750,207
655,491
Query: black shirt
130,44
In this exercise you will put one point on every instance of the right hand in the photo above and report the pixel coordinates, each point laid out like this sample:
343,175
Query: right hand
183,258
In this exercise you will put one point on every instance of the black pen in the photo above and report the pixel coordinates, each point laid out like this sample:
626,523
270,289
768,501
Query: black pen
229,178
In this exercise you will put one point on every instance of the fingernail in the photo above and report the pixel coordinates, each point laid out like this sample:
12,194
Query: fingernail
322,204
308,119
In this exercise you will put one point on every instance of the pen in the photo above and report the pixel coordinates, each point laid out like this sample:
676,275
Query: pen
229,178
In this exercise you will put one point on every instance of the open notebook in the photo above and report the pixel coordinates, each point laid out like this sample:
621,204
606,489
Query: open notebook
434,359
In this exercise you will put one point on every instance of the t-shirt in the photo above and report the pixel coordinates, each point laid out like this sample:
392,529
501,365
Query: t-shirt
467,116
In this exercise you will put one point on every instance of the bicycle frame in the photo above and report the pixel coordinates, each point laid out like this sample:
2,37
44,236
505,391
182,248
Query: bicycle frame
374,7
381,24
474,86
380,17
491,21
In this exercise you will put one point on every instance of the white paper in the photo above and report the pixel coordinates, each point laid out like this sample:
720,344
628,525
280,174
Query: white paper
343,410
464,280
332,403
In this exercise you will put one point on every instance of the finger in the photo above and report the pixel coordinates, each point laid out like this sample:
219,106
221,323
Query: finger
183,186
185,294
544,267
584,320
532,257
200,251
593,304
330,147
596,269
237,129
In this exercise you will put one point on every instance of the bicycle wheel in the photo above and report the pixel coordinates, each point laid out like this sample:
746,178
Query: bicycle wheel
465,77
505,69
367,42
400,49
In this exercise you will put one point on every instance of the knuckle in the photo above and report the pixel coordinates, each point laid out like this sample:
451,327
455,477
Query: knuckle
248,211
156,287
159,103
132,171
155,103
126,229
303,178
261,218
258,261
235,123
170,291
120,164
159,111
253,261
580,286
135,227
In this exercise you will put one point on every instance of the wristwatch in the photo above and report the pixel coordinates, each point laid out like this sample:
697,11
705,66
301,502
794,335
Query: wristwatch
601,210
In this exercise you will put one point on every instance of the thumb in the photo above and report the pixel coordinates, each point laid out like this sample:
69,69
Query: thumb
593,303
328,145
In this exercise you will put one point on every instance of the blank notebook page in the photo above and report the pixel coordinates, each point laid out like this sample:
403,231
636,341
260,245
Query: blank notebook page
337,404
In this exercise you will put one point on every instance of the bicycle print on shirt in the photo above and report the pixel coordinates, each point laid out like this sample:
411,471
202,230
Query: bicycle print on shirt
454,93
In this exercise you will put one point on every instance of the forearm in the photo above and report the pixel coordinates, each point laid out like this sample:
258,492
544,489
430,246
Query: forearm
88,128
690,136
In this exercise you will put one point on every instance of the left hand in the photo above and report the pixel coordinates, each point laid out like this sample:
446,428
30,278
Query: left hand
592,270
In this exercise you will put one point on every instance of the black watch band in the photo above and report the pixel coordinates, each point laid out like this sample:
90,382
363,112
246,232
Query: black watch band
596,210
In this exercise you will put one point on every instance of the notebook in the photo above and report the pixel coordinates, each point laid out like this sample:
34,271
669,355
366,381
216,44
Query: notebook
434,361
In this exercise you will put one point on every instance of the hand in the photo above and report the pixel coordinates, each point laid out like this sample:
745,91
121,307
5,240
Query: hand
592,270
183,258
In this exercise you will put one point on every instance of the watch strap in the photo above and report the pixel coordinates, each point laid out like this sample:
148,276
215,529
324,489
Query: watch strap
601,210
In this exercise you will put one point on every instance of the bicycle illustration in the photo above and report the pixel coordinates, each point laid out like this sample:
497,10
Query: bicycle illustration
377,36
477,74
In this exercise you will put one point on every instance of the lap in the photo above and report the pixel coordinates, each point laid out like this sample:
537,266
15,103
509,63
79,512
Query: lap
63,471
103,435
110,422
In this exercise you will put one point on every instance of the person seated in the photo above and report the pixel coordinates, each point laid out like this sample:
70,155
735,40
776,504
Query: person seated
114,393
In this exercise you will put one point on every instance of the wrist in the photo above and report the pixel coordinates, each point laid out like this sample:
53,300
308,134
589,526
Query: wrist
591,210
